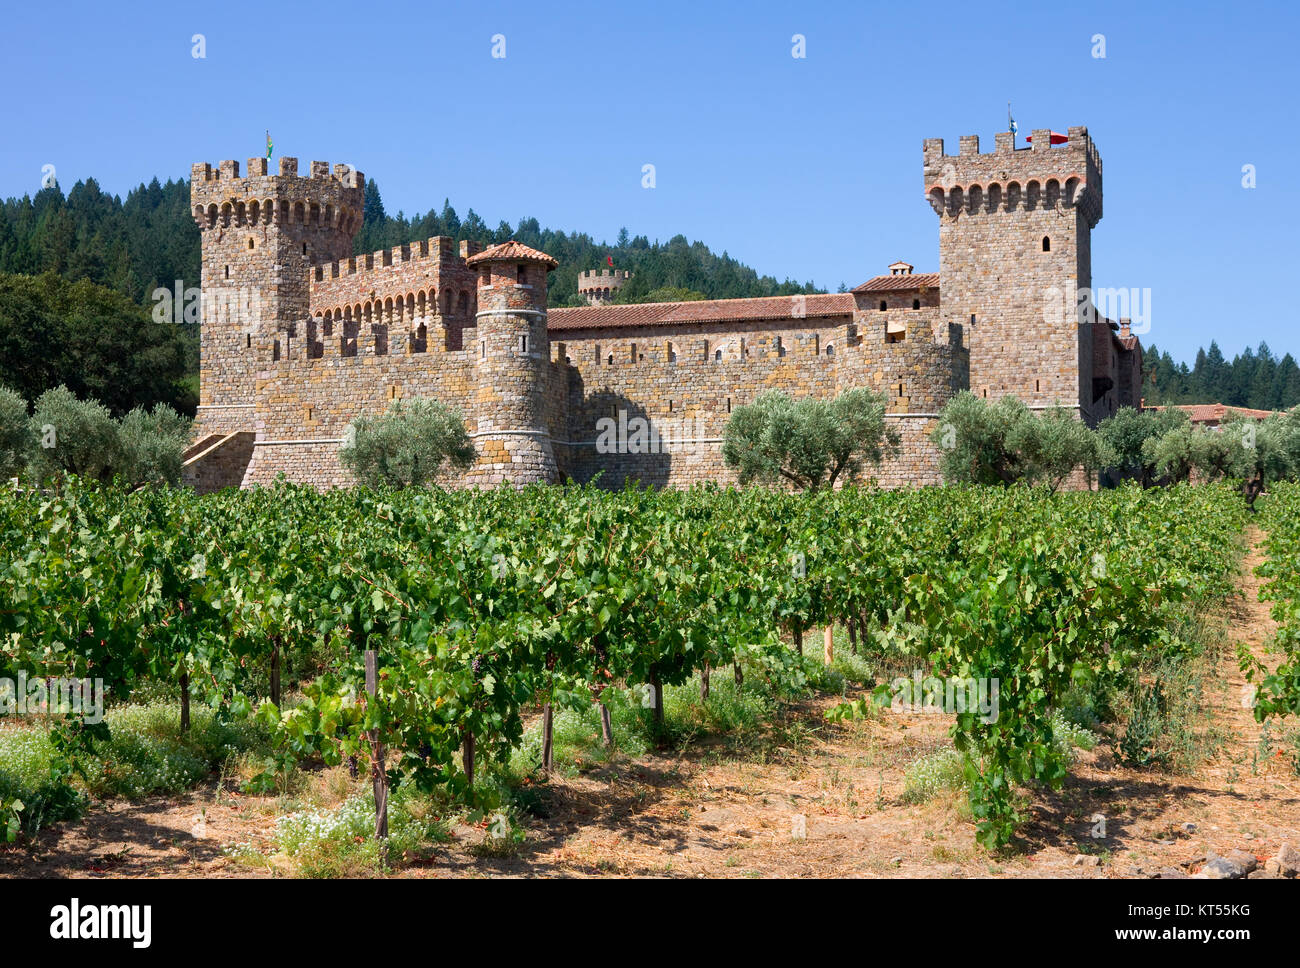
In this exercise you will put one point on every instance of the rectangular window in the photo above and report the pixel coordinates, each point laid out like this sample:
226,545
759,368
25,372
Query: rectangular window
523,344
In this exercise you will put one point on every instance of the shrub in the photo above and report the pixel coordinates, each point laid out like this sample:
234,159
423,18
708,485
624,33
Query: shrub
151,446
15,434
809,443
75,437
407,446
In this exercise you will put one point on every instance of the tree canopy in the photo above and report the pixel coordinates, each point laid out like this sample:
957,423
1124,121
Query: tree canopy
90,339
810,443
407,446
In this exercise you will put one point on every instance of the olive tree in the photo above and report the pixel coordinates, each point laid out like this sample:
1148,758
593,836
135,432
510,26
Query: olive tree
1124,434
1054,444
1269,450
151,445
810,443
408,446
1004,442
73,437
15,434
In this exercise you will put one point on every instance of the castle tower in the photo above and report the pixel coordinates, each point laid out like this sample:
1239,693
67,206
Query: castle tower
260,235
512,366
598,286
1014,247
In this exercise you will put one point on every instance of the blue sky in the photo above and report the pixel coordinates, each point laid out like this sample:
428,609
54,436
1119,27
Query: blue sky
807,168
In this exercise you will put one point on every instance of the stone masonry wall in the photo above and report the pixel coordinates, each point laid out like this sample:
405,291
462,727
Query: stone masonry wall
260,234
995,211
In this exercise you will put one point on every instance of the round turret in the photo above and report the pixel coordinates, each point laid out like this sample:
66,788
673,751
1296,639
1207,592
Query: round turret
512,365
598,286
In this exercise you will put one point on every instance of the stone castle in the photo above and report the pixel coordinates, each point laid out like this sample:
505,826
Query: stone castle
300,336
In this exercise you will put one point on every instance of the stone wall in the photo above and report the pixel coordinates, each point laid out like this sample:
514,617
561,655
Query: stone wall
221,461
260,235
1014,245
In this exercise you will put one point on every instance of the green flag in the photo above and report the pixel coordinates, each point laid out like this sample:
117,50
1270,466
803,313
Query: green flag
268,144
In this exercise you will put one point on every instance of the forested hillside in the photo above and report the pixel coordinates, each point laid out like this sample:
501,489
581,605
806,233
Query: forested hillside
1254,378
149,240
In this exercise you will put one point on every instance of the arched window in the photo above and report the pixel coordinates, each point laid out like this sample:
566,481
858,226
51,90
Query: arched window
610,360
1047,244
830,349
717,356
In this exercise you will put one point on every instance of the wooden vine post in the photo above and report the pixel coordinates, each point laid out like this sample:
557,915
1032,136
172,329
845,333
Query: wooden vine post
548,738
467,757
606,728
275,671
829,643
378,772
185,702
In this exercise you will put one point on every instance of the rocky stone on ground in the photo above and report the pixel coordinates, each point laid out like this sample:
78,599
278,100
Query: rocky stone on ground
1221,868
1288,861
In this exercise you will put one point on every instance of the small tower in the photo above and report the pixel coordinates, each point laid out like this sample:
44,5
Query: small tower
260,235
512,366
598,286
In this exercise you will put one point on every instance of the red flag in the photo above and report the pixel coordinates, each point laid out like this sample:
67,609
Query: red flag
609,259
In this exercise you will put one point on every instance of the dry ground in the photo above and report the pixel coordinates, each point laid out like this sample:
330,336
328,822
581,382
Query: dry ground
708,813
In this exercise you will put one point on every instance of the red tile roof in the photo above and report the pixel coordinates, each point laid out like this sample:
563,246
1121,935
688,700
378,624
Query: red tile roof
1215,412
899,283
702,311
511,251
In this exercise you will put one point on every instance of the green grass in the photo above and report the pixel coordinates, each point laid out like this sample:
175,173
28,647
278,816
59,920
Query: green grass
146,753
737,716
933,775
340,842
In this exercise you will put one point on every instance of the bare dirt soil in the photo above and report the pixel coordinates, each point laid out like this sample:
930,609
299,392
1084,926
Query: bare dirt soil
710,812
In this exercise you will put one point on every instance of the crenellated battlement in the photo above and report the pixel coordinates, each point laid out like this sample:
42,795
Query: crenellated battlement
221,197
228,171
403,287
597,286
1010,178
439,249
